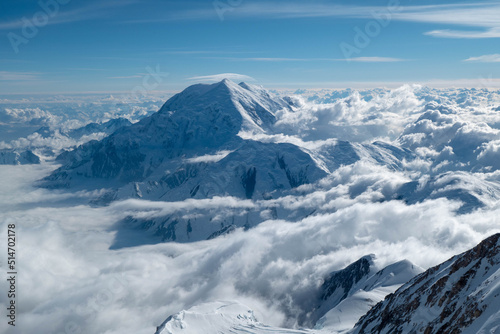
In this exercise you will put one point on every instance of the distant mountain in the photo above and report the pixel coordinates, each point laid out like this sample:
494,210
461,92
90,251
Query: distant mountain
14,157
462,295
191,149
106,127
204,143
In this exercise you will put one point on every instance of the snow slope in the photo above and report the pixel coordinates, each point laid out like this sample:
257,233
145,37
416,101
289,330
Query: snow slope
217,318
458,296
350,293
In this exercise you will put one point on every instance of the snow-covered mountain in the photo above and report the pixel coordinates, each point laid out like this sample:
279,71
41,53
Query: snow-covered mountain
14,157
184,149
221,140
459,296
365,292
194,131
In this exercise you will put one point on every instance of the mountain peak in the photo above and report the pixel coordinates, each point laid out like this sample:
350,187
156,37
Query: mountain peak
252,107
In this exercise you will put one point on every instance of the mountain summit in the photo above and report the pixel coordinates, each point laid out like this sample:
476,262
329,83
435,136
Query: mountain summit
203,119
229,106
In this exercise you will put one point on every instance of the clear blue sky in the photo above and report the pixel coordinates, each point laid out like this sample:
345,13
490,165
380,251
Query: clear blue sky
108,45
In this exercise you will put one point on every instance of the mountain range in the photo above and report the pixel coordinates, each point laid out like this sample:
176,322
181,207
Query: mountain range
220,140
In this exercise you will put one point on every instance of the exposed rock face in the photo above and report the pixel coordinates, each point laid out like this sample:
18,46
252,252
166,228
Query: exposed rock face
458,296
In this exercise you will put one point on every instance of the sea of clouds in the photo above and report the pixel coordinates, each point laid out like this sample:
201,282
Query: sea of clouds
70,281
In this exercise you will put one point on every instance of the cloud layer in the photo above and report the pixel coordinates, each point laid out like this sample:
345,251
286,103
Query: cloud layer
72,282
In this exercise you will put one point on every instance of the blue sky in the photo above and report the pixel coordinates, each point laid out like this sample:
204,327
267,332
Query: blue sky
108,45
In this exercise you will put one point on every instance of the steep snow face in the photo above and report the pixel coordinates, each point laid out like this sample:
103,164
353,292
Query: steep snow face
348,294
343,283
458,296
233,107
365,294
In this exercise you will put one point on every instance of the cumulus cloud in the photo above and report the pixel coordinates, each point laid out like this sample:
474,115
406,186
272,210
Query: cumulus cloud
34,116
351,118
79,282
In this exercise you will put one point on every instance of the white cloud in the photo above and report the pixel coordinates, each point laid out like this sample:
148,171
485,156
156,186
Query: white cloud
209,158
219,77
494,58
88,12
18,76
275,268
352,118
74,279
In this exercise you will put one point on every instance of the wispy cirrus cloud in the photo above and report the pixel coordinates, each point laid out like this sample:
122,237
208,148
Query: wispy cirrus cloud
278,59
482,15
494,58
18,76
87,12
221,76
373,59
129,76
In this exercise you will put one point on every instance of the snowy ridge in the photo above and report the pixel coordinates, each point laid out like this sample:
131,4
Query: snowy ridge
13,157
458,296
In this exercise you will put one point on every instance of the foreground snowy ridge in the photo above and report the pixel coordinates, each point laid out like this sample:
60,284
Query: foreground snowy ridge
461,295
342,299
458,296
